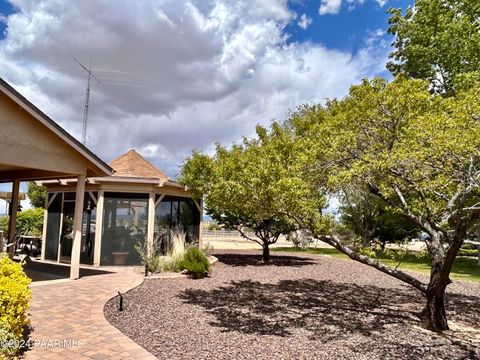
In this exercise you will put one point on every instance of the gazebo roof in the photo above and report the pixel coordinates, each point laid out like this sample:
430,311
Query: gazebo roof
132,164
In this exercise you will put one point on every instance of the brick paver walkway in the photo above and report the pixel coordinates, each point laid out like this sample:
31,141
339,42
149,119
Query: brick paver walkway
68,320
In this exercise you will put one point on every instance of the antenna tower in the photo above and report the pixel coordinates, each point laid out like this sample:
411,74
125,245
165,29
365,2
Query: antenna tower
87,97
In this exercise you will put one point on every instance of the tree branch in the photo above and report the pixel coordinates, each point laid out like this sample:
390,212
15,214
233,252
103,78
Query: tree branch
337,244
240,230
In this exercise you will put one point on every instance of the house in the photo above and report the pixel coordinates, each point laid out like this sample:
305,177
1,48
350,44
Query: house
134,206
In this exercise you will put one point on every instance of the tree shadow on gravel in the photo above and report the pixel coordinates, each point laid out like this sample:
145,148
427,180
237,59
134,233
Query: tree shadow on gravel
328,310
256,260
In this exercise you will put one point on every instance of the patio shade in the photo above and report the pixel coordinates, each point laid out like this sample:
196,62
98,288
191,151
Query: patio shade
34,147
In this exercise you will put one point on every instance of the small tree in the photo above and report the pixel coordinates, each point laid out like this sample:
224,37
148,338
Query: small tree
36,194
242,187
369,217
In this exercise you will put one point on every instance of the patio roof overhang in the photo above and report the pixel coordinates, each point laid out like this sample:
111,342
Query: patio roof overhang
34,147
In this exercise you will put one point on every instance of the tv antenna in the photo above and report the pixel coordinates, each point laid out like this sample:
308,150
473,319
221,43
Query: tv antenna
87,97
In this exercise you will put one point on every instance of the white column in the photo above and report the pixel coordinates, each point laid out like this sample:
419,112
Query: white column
44,229
77,228
98,230
151,222
12,223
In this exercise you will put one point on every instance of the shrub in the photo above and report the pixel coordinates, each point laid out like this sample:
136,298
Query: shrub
207,248
468,250
29,222
195,262
14,303
463,252
153,263
300,239
468,247
175,249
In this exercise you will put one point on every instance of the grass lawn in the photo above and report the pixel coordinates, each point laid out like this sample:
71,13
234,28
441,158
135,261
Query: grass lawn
464,268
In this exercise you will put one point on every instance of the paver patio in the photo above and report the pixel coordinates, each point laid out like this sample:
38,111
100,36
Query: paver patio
68,321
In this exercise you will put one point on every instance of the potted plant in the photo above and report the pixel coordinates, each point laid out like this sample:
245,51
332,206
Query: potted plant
120,257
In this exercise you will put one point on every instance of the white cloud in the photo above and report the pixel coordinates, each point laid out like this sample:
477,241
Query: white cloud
176,75
334,6
352,4
305,21
330,7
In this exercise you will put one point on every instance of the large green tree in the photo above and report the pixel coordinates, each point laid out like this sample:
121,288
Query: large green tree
438,40
418,153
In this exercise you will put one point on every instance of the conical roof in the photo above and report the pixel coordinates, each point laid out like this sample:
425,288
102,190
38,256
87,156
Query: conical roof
132,164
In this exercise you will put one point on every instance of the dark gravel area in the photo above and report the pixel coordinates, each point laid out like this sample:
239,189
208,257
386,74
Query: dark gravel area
299,307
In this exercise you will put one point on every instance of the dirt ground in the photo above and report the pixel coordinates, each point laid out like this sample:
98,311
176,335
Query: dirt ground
298,307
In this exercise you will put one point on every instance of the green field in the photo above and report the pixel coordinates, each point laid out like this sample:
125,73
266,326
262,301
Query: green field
464,268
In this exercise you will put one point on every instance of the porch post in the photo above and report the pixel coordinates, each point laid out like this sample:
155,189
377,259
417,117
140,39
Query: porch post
13,208
45,224
98,230
77,228
151,222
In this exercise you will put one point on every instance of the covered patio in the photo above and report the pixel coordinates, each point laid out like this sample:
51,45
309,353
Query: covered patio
34,147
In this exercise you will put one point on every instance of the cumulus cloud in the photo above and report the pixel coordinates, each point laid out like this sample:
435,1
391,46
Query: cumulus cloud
305,21
175,75
330,7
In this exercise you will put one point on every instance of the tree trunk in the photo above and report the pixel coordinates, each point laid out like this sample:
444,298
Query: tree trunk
435,309
266,253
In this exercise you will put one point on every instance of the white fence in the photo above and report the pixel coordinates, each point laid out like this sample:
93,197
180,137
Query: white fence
230,235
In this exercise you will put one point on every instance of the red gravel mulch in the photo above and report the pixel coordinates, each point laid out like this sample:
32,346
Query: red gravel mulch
298,307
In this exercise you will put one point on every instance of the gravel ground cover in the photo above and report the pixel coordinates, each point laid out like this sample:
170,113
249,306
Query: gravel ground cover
298,307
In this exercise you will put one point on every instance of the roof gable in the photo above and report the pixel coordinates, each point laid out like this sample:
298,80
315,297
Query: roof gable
98,167
132,164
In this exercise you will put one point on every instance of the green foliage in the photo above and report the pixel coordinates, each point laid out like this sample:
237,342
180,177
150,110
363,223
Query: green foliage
155,261
393,227
369,217
463,252
468,250
411,150
15,298
36,194
250,185
469,247
195,262
29,222
212,226
438,40
197,173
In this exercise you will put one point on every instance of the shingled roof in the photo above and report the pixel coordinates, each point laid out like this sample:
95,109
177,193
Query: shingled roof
132,164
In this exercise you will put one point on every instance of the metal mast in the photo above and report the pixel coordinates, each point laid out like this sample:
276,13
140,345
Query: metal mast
87,98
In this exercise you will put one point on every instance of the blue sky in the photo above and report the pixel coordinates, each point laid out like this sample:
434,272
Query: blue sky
346,29
5,9
179,75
